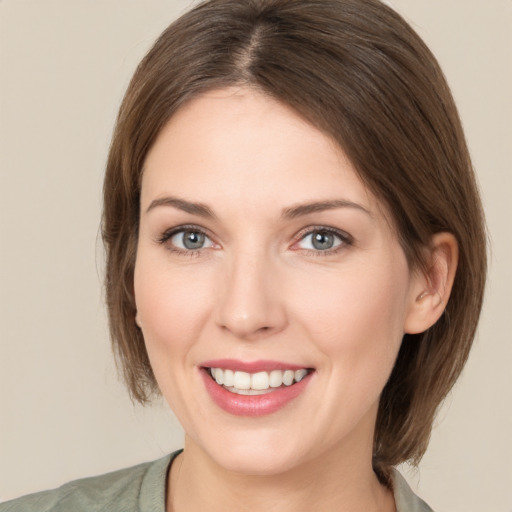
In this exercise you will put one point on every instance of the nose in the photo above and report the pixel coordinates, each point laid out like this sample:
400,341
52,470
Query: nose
250,304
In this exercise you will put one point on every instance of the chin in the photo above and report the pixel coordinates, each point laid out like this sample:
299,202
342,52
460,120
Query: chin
256,462
255,455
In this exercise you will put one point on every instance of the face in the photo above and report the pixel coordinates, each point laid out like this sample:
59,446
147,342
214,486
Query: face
265,263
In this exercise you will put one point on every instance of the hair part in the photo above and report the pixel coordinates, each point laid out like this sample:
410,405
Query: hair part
358,72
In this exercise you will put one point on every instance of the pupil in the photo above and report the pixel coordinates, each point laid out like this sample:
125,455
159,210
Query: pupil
193,240
323,240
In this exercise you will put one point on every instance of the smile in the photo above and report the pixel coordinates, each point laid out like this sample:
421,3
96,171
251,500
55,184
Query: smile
254,389
244,383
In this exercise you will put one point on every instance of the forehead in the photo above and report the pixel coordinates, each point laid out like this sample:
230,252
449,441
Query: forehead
238,143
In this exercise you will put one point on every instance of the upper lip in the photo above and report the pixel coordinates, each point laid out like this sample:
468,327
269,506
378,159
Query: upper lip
251,366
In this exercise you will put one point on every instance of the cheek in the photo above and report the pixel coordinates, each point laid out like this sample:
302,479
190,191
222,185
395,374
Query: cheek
171,310
357,316
170,305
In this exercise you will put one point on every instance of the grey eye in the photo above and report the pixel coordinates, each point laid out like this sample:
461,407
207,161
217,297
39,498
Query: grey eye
323,241
190,240
320,240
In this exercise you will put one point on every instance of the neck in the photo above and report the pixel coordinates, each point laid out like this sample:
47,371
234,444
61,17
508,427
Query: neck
327,483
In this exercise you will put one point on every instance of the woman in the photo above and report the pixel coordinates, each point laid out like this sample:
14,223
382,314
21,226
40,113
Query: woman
295,258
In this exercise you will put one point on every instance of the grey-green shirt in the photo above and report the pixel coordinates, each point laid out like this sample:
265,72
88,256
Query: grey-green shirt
142,488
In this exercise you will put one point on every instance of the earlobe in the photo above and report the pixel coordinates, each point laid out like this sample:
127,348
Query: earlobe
431,290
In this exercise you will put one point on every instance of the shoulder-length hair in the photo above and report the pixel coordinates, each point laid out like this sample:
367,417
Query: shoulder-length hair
357,71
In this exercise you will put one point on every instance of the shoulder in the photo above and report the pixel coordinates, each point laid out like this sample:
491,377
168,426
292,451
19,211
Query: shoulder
134,489
405,499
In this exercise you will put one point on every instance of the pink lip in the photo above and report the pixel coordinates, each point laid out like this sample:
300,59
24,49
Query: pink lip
252,405
250,367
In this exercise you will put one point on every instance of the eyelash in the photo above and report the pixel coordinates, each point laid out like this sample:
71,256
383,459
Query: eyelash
167,235
345,238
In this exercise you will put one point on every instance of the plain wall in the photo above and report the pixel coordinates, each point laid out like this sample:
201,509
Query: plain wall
64,65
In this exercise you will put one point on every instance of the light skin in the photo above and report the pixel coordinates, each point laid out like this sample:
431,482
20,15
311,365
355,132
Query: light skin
295,261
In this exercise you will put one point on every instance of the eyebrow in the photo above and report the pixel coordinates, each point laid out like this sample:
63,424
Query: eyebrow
292,212
320,206
199,209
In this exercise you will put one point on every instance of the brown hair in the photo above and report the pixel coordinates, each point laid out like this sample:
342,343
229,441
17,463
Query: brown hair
357,71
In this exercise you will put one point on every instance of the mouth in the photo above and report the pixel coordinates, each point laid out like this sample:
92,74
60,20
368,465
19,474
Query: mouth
254,389
259,383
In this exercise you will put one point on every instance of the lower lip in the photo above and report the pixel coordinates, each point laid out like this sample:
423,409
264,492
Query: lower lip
252,405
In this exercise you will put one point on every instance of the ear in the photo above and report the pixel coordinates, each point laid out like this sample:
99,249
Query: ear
137,319
431,290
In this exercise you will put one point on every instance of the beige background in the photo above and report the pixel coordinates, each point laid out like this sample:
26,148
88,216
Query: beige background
63,414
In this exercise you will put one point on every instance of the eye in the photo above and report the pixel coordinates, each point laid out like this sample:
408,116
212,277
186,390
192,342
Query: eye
190,240
187,239
323,240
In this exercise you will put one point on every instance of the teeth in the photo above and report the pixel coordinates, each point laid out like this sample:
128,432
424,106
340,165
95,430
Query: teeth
260,381
242,380
229,377
299,374
218,375
245,383
288,377
276,378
